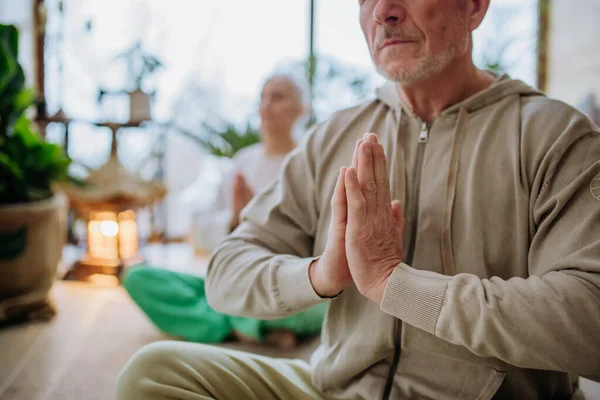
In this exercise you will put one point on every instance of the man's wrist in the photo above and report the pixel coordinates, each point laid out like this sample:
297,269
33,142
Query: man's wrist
376,294
319,283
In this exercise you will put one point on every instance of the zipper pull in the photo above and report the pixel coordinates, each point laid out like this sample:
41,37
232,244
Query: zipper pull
424,134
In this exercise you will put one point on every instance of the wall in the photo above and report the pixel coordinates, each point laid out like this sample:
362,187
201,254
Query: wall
574,49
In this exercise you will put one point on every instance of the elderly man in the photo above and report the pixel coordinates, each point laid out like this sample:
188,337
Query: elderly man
480,280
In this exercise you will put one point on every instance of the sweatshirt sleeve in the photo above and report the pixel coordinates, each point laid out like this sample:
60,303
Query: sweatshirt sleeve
551,320
264,262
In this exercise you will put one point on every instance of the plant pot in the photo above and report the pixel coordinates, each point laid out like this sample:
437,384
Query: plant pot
139,106
32,236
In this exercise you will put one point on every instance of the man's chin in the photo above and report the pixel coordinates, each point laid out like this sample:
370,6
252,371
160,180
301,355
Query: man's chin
404,74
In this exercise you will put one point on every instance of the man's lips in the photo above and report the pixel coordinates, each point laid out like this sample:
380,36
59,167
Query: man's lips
394,42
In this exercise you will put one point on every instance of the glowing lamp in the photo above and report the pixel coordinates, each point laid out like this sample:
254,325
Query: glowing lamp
112,238
107,203
112,243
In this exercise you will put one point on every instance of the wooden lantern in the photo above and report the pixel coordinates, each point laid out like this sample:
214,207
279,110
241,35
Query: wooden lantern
112,238
107,203
112,244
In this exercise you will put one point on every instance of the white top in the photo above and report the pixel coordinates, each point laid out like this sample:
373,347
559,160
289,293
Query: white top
210,226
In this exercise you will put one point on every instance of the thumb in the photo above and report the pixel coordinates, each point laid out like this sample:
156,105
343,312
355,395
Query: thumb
237,181
398,215
249,189
339,211
249,195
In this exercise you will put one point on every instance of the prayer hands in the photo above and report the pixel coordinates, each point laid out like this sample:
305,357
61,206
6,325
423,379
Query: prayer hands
365,223
242,194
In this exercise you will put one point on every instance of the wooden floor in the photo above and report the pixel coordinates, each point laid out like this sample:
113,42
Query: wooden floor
79,354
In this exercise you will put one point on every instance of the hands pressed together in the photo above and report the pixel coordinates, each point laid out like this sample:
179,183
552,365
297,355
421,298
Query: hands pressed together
241,196
364,244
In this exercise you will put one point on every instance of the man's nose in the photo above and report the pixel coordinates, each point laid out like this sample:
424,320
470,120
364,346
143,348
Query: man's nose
389,12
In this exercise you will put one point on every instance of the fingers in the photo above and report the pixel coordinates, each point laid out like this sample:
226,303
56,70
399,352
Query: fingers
248,195
366,137
238,178
380,172
398,215
355,155
357,204
339,207
381,177
371,137
248,190
365,174
239,185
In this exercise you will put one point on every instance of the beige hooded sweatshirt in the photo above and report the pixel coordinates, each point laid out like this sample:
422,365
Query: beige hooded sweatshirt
499,295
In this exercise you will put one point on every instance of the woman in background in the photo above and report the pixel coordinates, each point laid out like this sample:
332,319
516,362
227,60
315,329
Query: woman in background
176,302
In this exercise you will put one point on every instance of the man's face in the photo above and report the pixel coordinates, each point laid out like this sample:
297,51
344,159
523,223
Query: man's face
410,40
280,104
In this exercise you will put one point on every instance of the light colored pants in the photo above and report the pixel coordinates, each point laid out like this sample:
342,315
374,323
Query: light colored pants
190,371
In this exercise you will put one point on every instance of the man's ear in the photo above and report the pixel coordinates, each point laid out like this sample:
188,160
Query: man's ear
477,10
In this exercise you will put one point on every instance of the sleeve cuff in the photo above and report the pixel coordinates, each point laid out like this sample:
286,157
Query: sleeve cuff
293,287
415,296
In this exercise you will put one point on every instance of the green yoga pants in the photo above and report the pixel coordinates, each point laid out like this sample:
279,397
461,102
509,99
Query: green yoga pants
176,304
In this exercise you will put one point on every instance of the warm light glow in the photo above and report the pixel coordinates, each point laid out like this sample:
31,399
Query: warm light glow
100,245
104,280
112,237
109,228
128,234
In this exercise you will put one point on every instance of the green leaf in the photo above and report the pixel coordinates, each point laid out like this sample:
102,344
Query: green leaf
8,66
10,34
28,136
16,148
10,165
9,51
49,154
12,88
24,100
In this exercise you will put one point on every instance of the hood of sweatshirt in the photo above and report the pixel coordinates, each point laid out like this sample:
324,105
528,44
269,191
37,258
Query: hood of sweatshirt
502,87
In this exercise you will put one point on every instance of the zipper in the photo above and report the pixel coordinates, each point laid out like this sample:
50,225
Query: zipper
423,139
424,134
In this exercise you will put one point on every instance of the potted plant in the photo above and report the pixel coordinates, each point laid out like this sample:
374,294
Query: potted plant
140,66
32,215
